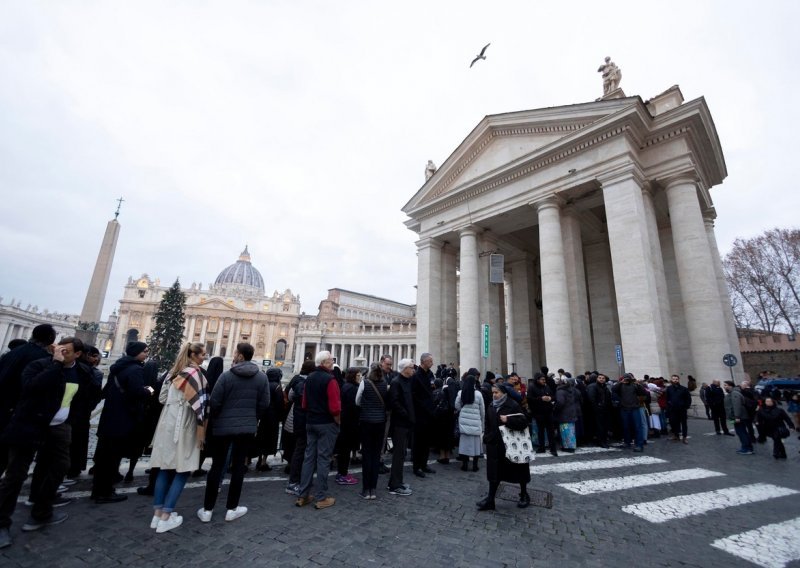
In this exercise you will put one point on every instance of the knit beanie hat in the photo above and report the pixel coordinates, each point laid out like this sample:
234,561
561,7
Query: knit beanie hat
135,348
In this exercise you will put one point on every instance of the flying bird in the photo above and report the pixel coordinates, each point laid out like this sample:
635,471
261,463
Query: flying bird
480,55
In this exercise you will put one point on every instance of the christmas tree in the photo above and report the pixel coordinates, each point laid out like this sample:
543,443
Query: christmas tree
167,337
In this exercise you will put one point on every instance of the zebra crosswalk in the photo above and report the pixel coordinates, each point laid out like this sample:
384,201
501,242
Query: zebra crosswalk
772,546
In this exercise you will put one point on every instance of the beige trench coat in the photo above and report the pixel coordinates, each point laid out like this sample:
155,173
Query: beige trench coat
175,440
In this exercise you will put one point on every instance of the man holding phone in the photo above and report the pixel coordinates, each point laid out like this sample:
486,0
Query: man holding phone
40,427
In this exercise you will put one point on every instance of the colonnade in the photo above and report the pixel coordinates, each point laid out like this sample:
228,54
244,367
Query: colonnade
655,288
346,353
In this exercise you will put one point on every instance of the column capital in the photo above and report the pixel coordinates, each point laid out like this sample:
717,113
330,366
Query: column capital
551,201
629,172
429,242
469,230
680,179
709,215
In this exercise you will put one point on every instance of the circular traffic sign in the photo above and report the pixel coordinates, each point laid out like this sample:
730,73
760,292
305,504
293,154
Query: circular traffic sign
730,360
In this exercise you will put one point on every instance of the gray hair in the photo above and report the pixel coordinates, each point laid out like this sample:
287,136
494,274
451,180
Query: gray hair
425,356
321,357
405,363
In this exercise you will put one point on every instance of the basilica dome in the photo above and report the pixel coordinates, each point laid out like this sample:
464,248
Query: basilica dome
241,276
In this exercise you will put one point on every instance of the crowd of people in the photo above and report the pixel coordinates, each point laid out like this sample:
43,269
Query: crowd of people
197,410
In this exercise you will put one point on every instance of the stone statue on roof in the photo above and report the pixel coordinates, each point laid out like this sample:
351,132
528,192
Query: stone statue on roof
430,169
612,75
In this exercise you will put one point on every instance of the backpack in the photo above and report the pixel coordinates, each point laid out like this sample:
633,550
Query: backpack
441,403
750,403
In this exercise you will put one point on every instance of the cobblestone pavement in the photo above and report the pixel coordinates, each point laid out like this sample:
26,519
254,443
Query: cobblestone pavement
653,518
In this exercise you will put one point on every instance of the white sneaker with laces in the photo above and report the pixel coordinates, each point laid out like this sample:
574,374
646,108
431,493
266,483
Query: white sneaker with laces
169,524
203,515
156,518
234,514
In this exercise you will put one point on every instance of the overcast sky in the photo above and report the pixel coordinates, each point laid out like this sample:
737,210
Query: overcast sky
302,128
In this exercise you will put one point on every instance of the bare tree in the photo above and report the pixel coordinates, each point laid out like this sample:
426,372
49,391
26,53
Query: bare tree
763,275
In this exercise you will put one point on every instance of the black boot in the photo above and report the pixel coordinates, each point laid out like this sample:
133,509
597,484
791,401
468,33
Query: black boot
486,504
524,500
475,463
464,462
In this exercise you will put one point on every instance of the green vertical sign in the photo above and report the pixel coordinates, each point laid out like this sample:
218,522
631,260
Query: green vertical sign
486,341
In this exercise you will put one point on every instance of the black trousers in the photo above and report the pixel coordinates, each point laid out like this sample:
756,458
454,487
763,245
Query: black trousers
371,440
421,448
718,415
678,422
400,438
79,448
52,462
546,424
238,446
299,454
107,457
601,422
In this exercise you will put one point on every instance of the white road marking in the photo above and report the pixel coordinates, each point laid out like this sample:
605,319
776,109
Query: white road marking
578,452
633,481
770,546
594,464
683,506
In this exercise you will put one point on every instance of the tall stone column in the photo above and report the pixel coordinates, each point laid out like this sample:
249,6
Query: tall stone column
705,319
522,304
449,325
192,323
468,309
229,346
638,306
558,342
492,308
660,277
4,327
429,297
203,329
602,300
576,288
96,294
508,293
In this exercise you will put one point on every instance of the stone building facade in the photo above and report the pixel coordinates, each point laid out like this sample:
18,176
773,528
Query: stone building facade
357,328
234,308
603,217
17,322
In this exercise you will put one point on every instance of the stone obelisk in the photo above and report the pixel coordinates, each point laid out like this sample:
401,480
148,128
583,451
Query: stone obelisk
91,315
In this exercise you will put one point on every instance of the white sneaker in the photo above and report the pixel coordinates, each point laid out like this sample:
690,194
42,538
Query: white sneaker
203,515
234,514
169,524
156,518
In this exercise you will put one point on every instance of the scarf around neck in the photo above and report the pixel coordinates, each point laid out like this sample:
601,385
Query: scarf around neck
192,383
498,402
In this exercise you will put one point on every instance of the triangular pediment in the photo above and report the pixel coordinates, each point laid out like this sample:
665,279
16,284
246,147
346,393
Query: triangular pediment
215,304
499,141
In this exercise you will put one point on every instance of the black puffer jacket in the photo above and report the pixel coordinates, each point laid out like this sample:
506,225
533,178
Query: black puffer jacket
239,398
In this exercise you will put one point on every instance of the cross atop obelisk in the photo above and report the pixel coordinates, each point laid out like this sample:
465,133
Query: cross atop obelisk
119,204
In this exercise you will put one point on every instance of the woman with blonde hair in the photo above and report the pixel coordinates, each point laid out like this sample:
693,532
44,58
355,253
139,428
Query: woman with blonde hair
180,434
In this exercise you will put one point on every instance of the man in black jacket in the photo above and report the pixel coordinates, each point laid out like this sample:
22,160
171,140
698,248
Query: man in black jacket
240,397
11,366
541,399
599,396
679,399
125,394
422,390
716,400
40,424
401,402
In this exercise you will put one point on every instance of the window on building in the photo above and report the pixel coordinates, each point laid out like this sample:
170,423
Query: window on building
141,293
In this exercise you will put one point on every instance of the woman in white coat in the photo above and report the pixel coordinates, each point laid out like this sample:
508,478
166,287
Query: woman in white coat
471,423
180,434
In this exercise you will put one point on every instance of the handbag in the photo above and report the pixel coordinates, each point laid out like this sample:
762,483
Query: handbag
519,448
782,431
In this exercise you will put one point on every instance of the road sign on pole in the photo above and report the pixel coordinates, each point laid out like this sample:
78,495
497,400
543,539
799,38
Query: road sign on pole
618,354
730,360
486,341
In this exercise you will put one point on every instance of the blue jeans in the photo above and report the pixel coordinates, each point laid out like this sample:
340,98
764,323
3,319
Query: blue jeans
632,422
167,492
321,439
744,436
